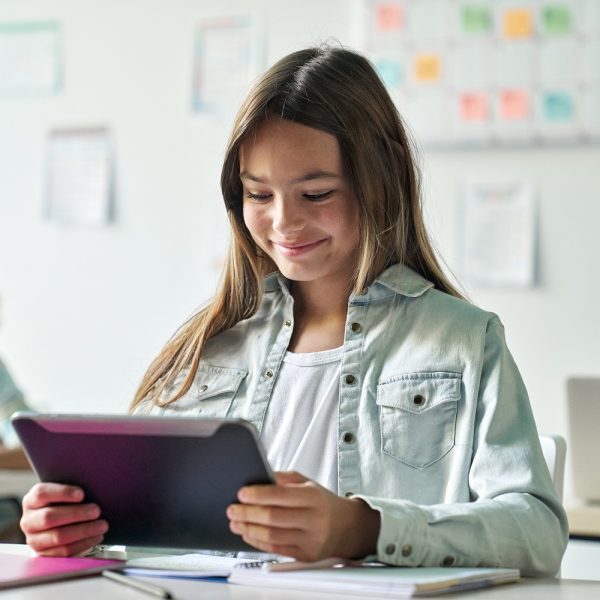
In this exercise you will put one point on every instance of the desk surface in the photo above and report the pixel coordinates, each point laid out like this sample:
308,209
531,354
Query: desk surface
584,520
99,587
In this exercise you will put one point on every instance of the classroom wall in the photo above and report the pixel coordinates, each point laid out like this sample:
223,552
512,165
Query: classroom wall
84,309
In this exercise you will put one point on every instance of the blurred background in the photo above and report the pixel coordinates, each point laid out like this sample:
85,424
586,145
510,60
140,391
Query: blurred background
133,101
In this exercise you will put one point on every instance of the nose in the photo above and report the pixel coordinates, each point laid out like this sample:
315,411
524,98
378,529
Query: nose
288,217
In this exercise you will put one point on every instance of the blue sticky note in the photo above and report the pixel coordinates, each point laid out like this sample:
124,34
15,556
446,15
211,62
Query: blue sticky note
558,106
390,71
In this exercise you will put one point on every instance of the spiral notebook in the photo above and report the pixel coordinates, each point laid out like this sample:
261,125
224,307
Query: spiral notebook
17,570
375,581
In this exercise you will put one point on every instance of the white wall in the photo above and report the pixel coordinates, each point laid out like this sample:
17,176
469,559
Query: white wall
85,309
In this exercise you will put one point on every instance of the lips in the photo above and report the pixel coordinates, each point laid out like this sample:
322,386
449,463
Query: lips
298,248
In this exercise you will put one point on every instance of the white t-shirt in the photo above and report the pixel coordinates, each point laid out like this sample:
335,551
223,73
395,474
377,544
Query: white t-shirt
301,425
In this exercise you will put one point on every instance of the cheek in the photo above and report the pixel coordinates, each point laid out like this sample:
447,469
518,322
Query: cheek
257,222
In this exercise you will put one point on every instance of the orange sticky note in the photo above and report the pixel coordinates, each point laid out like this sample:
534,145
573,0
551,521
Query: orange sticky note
389,17
428,67
473,107
518,23
514,105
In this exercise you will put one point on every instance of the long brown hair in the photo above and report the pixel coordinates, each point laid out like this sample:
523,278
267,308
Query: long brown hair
336,91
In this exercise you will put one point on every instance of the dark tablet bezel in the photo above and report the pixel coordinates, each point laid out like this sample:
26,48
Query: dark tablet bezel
159,481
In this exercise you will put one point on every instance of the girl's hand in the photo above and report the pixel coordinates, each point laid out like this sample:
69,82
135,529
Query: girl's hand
299,518
56,523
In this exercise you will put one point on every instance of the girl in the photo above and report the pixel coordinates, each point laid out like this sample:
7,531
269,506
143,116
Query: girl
336,333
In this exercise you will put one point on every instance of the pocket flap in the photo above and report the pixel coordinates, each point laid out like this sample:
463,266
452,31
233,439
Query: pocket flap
417,392
211,381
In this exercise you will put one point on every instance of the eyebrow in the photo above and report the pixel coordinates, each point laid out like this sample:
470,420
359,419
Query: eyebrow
307,177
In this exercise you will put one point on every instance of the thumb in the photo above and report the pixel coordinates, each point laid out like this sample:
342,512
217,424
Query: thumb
287,477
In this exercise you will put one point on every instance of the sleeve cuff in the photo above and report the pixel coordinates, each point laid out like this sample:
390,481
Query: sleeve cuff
403,535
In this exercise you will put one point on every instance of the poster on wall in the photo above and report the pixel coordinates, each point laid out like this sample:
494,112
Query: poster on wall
30,59
499,234
489,72
228,55
80,186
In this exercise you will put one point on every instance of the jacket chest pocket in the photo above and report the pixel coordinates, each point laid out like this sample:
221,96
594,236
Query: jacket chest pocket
417,413
215,388
211,394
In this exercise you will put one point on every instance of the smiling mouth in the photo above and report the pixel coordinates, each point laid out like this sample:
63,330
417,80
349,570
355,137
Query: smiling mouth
298,249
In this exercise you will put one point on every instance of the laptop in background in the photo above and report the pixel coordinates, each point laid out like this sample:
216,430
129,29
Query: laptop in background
583,401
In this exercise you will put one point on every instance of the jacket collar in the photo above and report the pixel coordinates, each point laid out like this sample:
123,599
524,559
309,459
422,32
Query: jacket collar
403,280
398,278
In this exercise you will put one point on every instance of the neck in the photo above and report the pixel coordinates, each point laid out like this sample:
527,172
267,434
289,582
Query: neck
317,300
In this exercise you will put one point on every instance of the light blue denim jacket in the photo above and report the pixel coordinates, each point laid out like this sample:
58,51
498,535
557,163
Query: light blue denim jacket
443,444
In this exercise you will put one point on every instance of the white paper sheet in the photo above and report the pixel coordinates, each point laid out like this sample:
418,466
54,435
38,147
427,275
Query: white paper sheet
79,177
29,58
499,234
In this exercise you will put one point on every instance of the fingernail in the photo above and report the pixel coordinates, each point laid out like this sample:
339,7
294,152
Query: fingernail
231,512
102,526
235,526
77,494
93,512
243,494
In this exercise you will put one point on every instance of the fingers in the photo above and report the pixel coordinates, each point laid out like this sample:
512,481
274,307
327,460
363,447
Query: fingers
259,534
50,517
64,541
272,516
43,494
290,495
287,477
78,548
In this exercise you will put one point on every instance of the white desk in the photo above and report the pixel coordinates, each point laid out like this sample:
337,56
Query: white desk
91,588
98,587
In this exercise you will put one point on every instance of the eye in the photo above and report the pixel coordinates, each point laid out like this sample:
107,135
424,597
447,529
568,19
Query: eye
258,197
317,197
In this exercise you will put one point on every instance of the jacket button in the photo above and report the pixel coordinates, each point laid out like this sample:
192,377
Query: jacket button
269,374
356,327
406,550
419,400
390,549
448,561
348,437
350,379
288,323
202,388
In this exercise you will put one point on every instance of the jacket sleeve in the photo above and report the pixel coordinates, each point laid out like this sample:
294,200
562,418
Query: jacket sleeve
515,518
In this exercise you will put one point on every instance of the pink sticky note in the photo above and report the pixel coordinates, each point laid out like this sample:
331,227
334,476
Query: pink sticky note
473,106
390,17
514,105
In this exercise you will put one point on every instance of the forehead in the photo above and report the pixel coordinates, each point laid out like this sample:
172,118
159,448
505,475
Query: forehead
280,143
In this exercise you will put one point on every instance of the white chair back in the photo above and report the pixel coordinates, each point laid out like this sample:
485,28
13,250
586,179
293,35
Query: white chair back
554,448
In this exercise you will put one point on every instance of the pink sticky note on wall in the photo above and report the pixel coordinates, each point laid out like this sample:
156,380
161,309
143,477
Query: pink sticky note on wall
390,17
473,106
514,105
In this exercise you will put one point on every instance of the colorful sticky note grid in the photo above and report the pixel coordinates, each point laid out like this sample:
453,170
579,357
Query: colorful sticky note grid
475,19
514,105
558,107
390,71
473,107
556,19
518,23
427,68
389,17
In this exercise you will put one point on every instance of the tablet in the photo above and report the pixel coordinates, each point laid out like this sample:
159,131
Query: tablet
159,481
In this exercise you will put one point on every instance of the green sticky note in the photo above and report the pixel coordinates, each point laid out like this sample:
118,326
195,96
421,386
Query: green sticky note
390,71
476,19
558,106
556,19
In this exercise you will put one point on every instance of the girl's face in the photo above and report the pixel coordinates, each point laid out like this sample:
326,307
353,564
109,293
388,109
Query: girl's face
298,206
